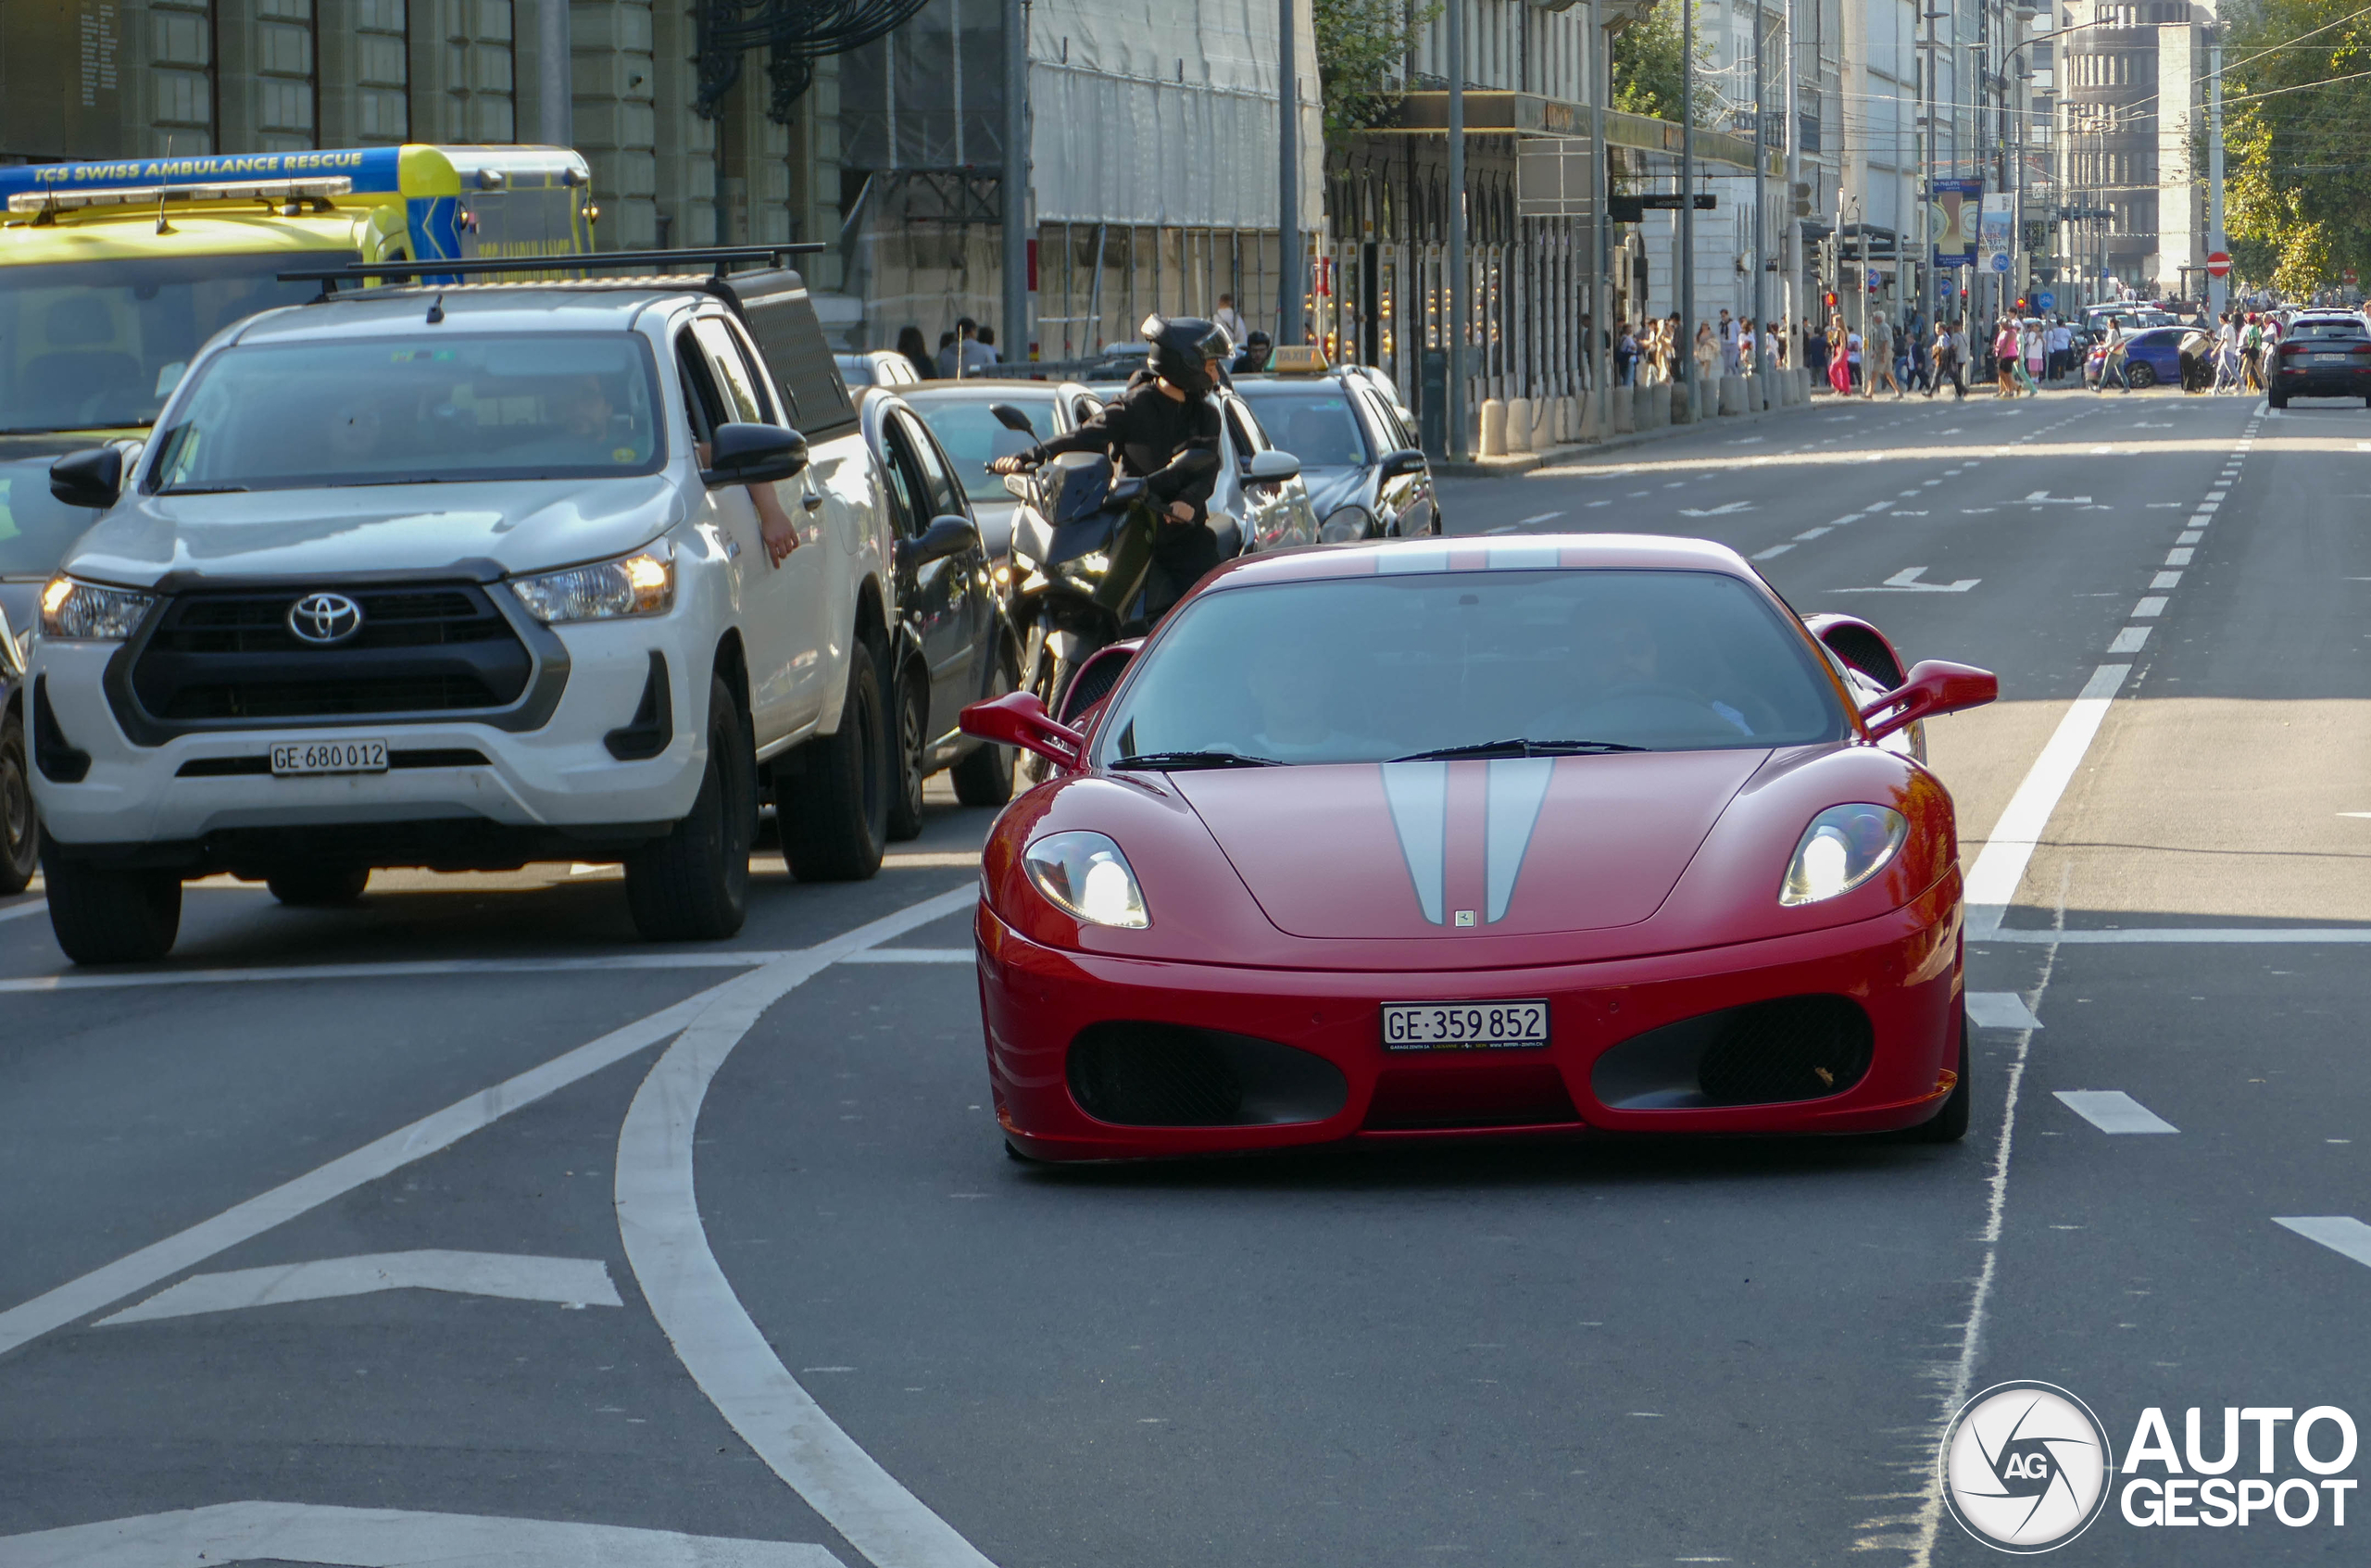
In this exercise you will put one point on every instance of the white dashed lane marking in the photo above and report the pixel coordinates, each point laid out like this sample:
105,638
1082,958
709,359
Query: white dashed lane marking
2113,1111
2000,1010
2342,1234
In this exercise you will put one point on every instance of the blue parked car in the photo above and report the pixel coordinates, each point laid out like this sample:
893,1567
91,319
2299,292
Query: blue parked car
2182,357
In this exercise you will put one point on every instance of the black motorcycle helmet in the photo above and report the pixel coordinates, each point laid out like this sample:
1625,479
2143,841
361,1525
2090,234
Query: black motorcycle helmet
1184,350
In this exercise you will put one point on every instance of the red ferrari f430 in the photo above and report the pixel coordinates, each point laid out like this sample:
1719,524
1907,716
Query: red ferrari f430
1587,834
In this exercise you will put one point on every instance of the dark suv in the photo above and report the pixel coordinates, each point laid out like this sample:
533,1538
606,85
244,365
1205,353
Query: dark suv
2321,357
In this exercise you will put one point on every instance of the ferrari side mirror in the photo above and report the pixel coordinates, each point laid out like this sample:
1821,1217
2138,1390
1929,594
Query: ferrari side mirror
1933,687
1019,719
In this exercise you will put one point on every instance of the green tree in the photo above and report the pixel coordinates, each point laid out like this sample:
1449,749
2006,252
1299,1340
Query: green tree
1648,66
1361,46
2297,189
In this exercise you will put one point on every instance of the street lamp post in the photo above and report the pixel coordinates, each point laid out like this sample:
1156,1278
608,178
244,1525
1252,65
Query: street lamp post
1684,350
1458,304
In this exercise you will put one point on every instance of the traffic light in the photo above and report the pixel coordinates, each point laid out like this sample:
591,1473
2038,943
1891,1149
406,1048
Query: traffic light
1830,298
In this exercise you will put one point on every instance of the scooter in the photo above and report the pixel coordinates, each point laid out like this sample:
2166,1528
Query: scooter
1082,550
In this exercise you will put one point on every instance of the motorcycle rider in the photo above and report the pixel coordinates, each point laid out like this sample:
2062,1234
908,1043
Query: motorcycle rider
1164,429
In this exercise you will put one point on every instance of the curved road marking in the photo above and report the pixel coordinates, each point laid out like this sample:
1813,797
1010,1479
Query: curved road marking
136,1272
382,1538
658,1218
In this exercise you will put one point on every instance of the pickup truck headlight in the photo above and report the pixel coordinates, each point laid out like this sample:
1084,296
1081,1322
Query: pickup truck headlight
85,612
1844,846
640,584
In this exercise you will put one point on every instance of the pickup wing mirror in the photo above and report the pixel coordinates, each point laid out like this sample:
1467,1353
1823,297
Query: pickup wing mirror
92,479
1271,467
1012,418
949,535
752,454
1019,719
1932,687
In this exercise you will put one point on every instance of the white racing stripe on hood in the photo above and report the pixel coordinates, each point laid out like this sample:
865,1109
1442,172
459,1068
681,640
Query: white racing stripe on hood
1418,794
1517,786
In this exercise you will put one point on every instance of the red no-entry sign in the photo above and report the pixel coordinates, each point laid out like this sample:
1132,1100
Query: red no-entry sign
2219,263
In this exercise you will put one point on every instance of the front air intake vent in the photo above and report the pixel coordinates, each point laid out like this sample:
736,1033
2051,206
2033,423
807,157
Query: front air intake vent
1145,1074
1763,1053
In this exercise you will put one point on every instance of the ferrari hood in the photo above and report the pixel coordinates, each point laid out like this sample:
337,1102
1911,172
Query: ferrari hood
1510,847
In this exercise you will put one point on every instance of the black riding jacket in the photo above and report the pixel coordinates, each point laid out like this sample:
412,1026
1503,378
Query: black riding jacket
1173,446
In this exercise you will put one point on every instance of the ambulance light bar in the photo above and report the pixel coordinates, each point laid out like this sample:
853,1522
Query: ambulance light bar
317,189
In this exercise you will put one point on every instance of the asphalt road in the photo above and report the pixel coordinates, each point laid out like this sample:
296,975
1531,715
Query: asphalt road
434,1234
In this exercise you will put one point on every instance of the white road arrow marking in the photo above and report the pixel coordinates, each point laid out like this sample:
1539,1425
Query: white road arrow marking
382,1538
1717,511
1907,581
2044,499
572,1282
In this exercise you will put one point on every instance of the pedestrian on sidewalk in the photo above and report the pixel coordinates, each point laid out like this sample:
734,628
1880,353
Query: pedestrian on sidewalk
1876,353
1729,350
1626,354
1708,350
1840,356
2251,352
916,348
2111,363
1229,320
2061,348
2004,357
1917,366
1949,349
2030,344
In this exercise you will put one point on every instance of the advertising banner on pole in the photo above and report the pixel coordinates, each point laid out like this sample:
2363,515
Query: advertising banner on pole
1951,220
1995,234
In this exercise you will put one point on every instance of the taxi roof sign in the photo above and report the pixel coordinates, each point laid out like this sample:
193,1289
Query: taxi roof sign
1298,359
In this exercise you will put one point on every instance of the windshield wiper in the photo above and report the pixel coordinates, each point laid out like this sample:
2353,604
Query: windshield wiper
1518,745
201,489
1183,761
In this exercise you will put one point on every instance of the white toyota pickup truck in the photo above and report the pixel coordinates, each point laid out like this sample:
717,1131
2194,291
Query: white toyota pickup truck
464,577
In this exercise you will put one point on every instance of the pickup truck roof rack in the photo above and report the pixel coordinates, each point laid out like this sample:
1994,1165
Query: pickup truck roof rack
712,258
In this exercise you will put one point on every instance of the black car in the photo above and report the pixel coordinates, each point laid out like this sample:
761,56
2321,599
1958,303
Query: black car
35,531
1366,476
2321,356
955,646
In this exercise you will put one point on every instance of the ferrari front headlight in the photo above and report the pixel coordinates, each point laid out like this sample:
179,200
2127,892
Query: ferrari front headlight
84,612
1344,524
1084,875
1844,846
640,584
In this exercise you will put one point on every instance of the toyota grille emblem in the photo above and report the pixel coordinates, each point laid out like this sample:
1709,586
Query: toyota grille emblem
324,618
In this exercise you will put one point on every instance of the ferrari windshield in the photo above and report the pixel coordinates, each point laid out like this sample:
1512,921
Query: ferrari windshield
1411,664
98,347
415,410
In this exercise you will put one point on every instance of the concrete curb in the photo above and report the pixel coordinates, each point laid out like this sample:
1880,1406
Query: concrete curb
1524,462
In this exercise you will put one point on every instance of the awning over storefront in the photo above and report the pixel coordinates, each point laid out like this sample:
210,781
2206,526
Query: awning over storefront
1532,113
